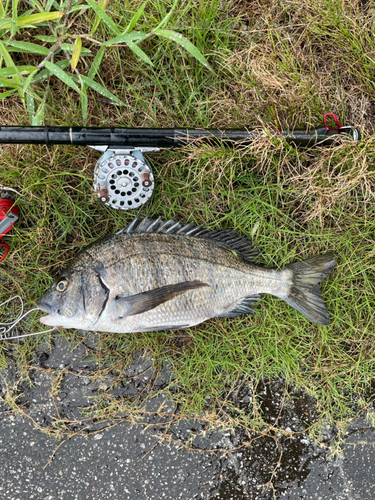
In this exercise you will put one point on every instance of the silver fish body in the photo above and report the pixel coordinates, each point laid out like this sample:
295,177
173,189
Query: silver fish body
158,275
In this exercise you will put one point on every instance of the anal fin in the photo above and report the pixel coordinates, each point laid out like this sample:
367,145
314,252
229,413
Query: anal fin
242,306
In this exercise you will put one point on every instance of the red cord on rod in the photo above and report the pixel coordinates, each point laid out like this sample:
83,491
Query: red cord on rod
335,119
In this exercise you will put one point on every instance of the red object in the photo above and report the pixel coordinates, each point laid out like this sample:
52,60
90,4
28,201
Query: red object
335,119
7,206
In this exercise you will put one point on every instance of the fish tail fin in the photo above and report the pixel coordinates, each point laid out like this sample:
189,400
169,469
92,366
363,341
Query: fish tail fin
305,294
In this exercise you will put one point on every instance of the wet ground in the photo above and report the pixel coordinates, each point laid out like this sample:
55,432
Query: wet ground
129,458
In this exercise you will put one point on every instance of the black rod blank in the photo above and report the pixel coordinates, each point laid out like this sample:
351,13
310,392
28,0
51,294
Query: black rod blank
133,138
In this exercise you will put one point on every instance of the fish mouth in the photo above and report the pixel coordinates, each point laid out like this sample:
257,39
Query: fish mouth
43,306
52,313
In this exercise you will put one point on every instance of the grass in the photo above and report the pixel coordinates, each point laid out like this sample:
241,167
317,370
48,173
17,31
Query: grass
274,62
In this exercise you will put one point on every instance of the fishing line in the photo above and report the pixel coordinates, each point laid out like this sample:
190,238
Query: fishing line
6,188
7,327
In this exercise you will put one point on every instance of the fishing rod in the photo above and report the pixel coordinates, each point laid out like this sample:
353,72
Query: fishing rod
123,177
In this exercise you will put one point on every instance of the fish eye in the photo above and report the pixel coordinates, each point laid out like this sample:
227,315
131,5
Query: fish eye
61,285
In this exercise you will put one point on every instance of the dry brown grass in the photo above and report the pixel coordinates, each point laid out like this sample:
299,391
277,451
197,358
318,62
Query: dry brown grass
298,58
296,61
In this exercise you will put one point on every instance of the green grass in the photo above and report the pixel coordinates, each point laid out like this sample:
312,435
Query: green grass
292,64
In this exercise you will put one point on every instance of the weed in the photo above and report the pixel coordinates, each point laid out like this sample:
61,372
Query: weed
63,40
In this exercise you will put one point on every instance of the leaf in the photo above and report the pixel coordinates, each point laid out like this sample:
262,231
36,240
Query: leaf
45,73
30,104
135,18
49,5
4,82
5,94
76,53
27,13
139,52
38,18
29,80
103,16
100,89
168,16
93,70
29,48
30,20
8,60
79,7
45,38
69,47
5,23
36,96
127,37
61,75
58,27
96,63
185,43
38,117
10,64
15,70
13,28
36,5
103,5
84,102
2,14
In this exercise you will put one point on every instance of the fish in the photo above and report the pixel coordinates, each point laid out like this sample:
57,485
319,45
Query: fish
160,275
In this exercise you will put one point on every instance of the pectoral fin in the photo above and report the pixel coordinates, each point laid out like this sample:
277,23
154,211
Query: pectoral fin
142,302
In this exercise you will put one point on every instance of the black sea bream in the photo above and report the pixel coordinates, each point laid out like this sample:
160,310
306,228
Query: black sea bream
157,275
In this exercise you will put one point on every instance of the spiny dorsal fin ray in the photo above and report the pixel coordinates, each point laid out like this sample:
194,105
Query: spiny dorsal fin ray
221,237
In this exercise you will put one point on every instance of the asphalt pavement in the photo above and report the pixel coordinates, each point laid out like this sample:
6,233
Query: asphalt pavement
144,459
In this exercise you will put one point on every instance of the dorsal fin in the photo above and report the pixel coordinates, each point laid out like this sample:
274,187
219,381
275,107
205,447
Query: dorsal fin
221,237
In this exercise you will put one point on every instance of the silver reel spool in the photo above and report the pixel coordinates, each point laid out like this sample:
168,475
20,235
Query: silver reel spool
123,179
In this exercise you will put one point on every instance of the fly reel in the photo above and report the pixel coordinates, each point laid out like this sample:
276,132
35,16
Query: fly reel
123,179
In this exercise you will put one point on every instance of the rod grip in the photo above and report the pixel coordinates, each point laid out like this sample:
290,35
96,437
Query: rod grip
320,136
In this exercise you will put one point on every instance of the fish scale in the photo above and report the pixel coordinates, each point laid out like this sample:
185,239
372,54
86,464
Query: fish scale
157,275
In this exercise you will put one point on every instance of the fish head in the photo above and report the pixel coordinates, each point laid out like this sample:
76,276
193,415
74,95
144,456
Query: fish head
76,299
64,302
